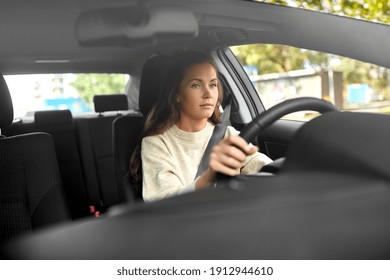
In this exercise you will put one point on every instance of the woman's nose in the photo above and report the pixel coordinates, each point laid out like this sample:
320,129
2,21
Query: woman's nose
206,93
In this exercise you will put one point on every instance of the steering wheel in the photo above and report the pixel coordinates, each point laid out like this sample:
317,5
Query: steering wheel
266,118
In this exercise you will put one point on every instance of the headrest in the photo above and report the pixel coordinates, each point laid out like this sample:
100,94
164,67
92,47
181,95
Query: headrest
6,107
356,143
151,78
53,118
110,102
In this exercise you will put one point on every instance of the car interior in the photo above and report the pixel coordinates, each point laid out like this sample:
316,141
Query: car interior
31,183
65,191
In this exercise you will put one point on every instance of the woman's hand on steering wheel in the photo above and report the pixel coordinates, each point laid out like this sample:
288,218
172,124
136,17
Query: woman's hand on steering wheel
228,156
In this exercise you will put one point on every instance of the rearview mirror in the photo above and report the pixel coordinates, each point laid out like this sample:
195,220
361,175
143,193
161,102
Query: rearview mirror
129,25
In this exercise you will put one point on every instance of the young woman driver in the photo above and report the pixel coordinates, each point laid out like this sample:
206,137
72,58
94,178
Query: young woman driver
179,127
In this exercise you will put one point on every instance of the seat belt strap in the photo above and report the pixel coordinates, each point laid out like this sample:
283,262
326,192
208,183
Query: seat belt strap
218,134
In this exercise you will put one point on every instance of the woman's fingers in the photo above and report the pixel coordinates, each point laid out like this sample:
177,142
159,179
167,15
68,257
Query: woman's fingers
231,151
217,166
229,155
227,160
240,143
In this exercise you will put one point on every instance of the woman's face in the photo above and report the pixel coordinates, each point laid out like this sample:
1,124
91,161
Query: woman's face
198,92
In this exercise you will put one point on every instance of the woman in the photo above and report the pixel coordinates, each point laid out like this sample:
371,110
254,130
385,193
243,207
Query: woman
179,127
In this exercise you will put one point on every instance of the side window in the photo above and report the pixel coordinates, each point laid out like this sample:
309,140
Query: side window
282,72
61,91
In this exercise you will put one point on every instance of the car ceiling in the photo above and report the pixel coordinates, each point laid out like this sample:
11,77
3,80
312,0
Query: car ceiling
41,36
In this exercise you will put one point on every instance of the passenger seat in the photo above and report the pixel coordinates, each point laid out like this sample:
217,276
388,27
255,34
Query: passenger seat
31,194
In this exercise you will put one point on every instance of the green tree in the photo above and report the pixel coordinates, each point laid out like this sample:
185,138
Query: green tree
88,85
372,10
271,58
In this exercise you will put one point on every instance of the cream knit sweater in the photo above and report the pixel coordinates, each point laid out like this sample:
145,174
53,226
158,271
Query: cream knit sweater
170,161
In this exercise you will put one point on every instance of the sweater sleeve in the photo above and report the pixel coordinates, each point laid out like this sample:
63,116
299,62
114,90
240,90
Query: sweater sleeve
160,172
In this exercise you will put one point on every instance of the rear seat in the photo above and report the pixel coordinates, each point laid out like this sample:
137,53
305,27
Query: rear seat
95,138
84,151
19,126
60,124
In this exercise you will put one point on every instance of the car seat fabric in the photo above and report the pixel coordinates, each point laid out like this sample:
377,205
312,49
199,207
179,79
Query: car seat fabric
30,184
31,187
110,102
60,124
95,138
19,126
59,119
127,130
152,74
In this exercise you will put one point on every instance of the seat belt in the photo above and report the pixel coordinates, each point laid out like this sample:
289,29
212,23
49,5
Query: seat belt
218,134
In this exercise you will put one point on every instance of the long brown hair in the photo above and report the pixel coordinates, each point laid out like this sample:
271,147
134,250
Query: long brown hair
166,112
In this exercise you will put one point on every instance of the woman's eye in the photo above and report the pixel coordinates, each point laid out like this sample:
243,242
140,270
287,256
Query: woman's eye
213,85
195,86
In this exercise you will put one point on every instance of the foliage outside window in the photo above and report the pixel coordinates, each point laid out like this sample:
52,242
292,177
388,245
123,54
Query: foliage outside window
371,10
90,84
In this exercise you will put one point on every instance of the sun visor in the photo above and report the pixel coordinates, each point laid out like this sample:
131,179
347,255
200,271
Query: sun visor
131,25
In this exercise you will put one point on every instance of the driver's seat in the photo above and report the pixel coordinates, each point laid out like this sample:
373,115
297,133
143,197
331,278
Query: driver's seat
127,130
